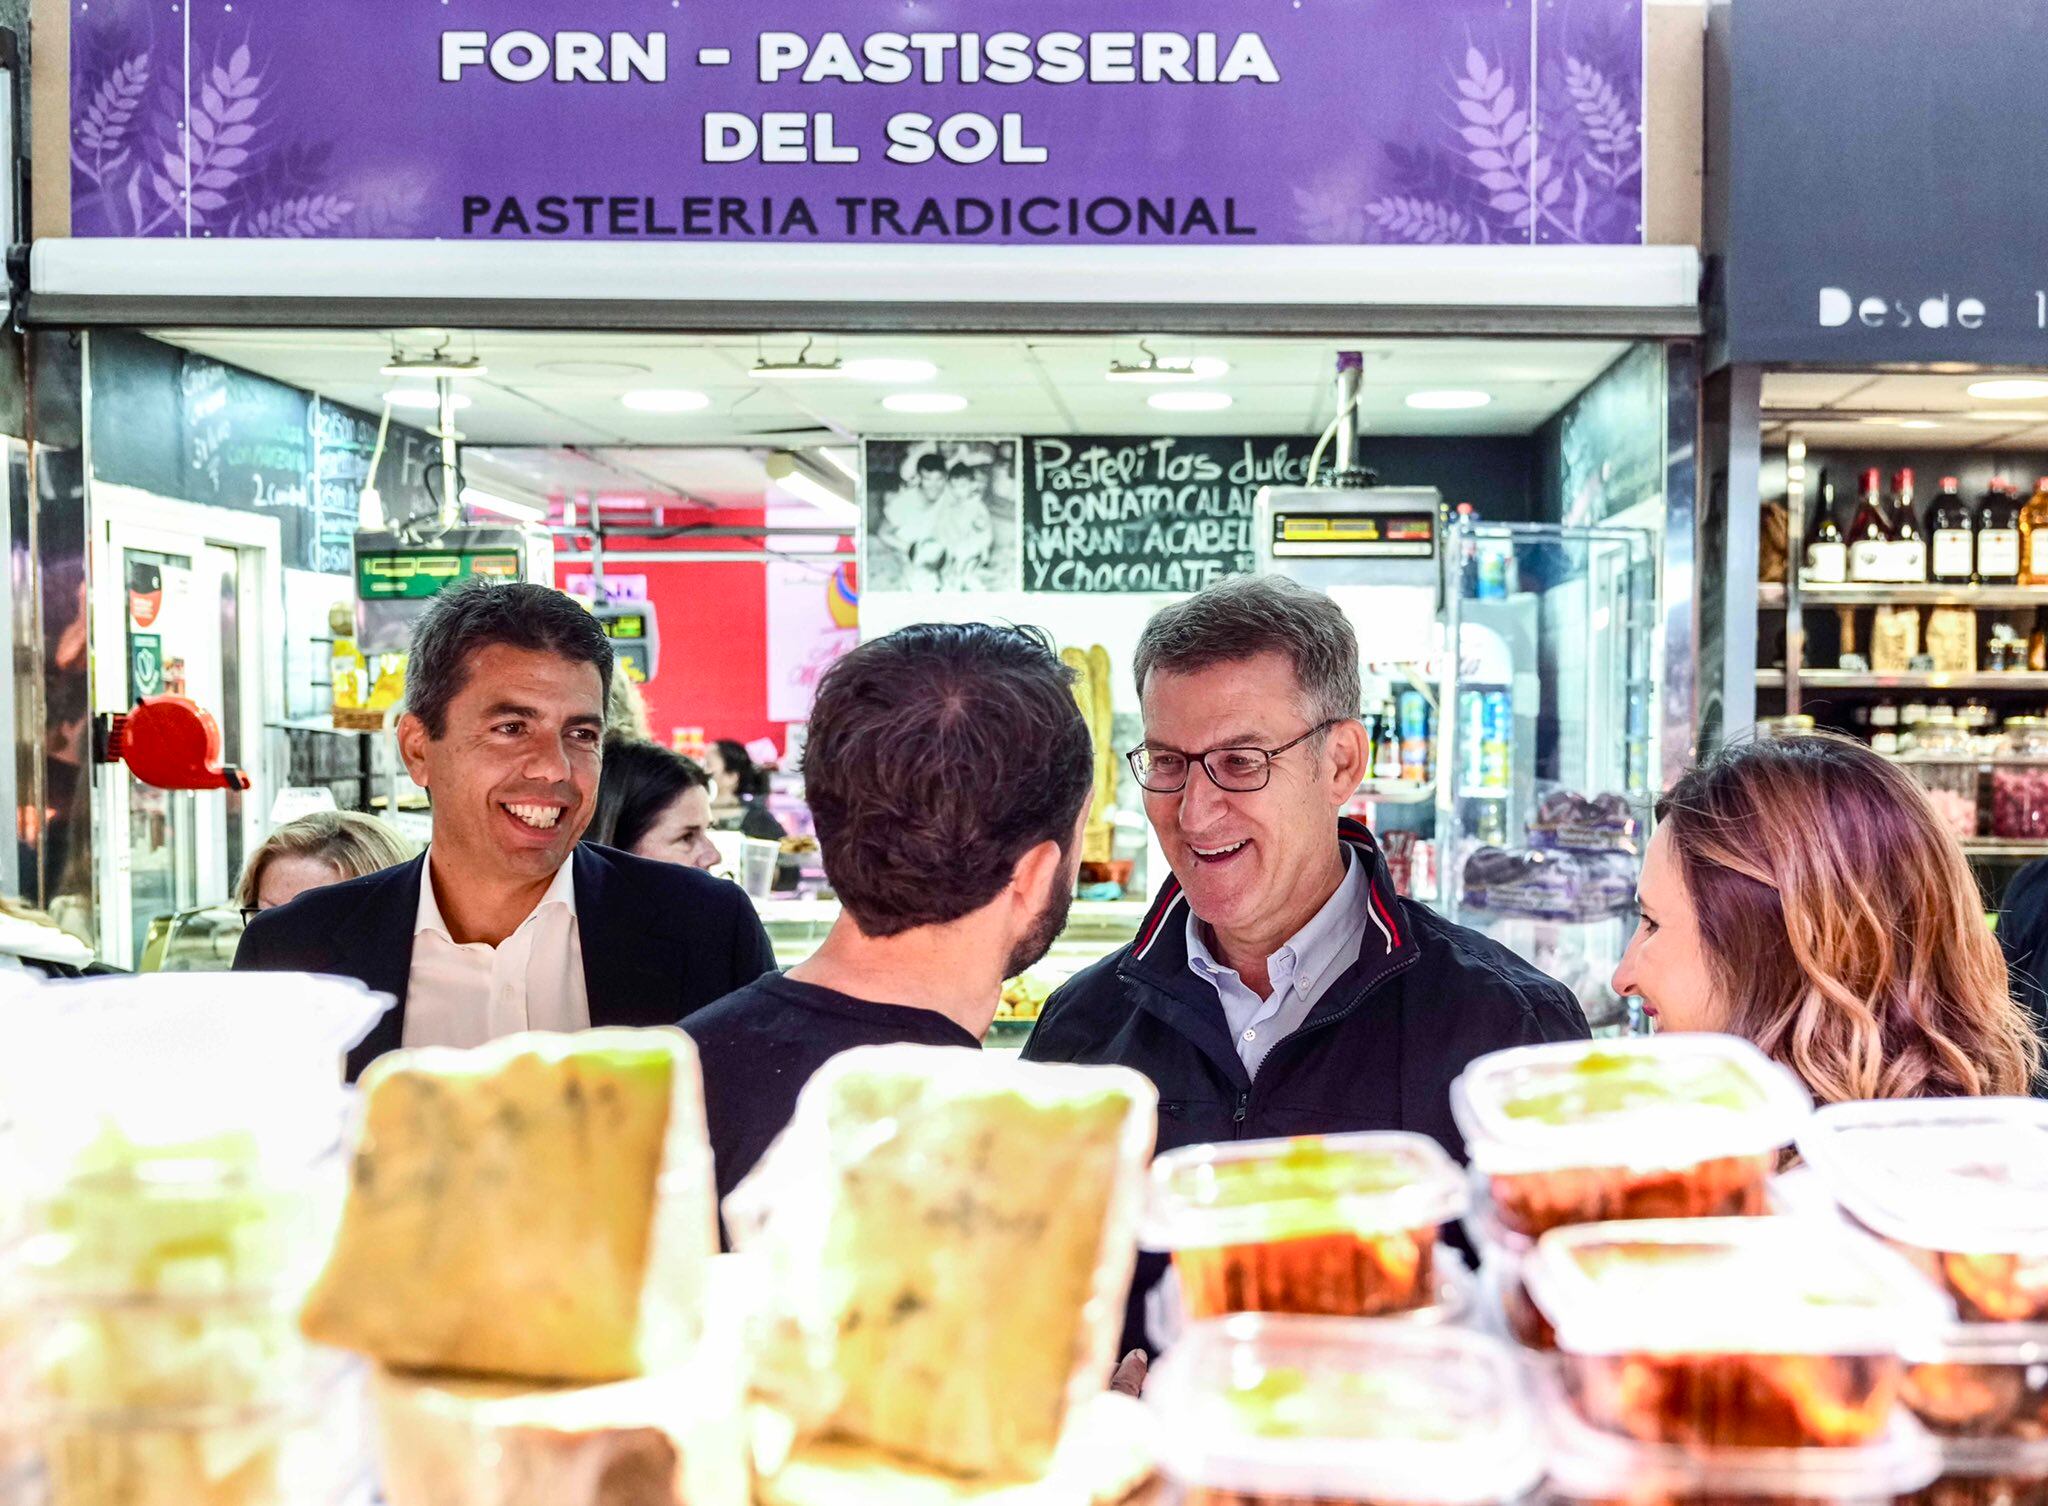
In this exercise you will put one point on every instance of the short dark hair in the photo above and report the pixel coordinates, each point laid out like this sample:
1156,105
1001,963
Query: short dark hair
937,757
1248,615
737,760
479,612
640,781
962,469
931,460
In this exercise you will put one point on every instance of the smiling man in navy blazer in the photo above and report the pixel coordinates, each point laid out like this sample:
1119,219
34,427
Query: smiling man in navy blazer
507,922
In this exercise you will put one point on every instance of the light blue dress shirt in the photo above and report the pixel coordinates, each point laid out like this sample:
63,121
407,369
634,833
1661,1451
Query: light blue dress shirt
1314,958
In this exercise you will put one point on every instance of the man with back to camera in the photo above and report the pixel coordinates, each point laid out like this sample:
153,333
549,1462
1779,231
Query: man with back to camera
1279,985
506,923
949,771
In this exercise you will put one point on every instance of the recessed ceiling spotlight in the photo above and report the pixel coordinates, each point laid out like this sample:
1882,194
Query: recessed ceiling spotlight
924,402
888,369
1448,399
2008,387
664,400
422,399
1189,402
802,369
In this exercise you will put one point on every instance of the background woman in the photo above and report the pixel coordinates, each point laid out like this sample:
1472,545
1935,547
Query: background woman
1804,895
655,803
314,851
740,792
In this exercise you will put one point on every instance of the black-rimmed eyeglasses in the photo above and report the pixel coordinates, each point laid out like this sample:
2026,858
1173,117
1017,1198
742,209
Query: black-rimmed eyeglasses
1164,771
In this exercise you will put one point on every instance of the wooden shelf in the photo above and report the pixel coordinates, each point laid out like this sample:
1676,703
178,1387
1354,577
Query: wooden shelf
1836,679
1772,595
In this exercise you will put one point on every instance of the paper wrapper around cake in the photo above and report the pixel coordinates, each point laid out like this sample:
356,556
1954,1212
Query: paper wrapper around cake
946,1241
540,1208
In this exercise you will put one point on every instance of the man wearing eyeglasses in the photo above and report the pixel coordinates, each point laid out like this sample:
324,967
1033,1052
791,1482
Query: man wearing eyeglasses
1279,985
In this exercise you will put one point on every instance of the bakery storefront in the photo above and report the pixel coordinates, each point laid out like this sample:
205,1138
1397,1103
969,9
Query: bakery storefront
390,279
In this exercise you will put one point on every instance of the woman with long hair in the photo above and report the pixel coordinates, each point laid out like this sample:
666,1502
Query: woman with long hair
1804,895
653,802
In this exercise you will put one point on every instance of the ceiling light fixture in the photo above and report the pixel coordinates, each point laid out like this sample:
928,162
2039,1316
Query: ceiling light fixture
434,363
802,479
802,369
422,400
1448,399
1156,368
1893,421
888,369
2008,415
483,501
843,459
664,400
2009,387
1189,402
924,402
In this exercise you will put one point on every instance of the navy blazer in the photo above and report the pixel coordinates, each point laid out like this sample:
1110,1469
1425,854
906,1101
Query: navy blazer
659,941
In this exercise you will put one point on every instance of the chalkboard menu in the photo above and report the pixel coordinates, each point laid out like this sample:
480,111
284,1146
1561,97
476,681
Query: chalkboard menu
1139,514
193,429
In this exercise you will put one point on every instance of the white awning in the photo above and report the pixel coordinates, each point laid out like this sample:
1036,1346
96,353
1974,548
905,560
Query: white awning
1632,291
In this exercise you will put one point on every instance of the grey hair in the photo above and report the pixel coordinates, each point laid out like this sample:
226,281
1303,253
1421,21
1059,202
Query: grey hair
1248,615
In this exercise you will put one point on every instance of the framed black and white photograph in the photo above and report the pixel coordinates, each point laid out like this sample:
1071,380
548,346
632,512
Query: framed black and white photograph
941,515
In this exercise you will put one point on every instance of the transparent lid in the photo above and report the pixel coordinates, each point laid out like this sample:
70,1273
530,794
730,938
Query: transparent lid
1587,1463
1251,1191
99,1072
1284,1406
1729,1286
1964,1175
2021,1344
2021,1459
1644,1103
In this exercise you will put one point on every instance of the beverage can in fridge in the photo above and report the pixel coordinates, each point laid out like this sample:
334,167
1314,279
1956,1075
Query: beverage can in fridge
1496,740
1414,721
1471,740
1496,563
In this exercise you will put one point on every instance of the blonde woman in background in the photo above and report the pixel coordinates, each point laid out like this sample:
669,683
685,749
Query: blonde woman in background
313,852
1804,895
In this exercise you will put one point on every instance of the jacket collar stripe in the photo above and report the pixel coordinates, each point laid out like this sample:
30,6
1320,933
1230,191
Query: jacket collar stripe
1383,917
1169,898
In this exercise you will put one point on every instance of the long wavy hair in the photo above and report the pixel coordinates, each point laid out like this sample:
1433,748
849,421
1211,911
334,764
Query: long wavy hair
1842,925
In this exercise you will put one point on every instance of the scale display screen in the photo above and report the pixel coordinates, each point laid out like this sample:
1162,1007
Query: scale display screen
1354,535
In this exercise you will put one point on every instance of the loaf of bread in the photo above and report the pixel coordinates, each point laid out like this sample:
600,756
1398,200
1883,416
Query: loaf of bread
947,1241
540,1208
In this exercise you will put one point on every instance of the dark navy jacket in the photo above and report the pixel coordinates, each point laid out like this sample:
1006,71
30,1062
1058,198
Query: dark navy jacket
1378,1052
659,940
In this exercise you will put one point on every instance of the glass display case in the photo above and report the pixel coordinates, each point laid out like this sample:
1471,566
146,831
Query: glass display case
1095,928
1548,748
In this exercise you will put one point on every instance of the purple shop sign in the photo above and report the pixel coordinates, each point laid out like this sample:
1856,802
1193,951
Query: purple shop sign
1091,121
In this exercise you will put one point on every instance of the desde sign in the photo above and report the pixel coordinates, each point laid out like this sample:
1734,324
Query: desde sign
1814,263
1134,514
1269,121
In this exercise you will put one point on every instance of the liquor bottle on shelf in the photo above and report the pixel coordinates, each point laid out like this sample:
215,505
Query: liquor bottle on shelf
1909,546
2034,537
1951,537
1386,757
1870,536
1998,535
1827,550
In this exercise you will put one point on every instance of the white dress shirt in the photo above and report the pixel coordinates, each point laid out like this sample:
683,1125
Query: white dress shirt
1314,958
467,994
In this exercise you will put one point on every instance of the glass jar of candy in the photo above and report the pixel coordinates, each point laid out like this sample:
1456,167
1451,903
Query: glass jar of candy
1944,764
2019,783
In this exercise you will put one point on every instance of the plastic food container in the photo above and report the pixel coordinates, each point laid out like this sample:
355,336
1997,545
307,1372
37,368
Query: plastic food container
1344,1225
1589,1467
1265,1410
1741,1333
1983,1380
1959,1185
308,1448
99,1071
1678,1126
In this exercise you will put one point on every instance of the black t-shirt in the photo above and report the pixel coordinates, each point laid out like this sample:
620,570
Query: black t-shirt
760,1045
